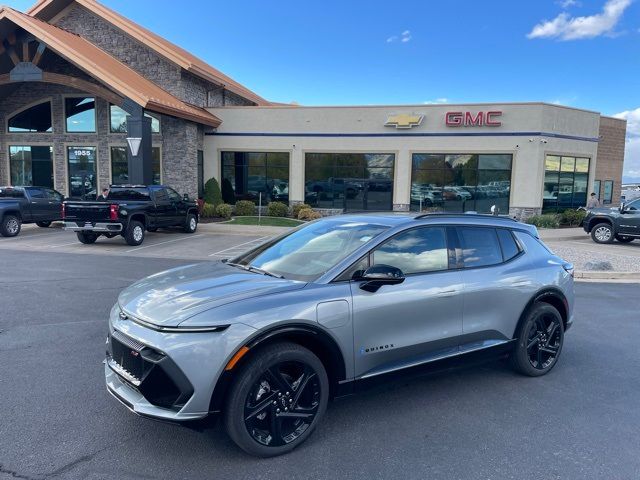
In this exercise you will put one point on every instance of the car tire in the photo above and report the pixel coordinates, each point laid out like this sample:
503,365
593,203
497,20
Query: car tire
624,239
43,224
539,341
134,235
602,233
191,224
87,237
10,226
276,378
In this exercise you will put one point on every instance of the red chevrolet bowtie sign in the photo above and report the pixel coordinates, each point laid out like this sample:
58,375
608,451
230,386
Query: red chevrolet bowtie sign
473,119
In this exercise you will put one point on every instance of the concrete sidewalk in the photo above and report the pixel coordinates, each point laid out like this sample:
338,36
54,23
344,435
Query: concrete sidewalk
223,228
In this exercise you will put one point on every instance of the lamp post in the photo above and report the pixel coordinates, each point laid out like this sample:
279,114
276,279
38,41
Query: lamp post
134,145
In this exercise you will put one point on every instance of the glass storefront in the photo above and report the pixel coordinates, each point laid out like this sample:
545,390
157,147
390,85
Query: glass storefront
461,182
350,181
35,119
608,192
566,181
82,172
120,166
80,114
246,175
118,120
31,165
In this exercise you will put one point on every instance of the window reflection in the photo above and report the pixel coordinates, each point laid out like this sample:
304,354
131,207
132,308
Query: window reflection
80,114
120,165
566,181
249,175
415,251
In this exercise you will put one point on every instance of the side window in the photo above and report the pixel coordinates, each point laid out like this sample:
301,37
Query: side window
173,195
53,195
359,267
37,193
161,195
508,244
635,205
480,246
418,250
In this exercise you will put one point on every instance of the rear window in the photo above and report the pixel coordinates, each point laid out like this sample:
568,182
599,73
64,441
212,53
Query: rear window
508,244
11,193
480,246
132,193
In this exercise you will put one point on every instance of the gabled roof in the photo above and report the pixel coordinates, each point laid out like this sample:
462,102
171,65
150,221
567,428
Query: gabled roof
107,69
47,9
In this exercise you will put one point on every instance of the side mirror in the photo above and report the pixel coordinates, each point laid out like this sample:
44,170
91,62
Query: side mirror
185,197
378,275
622,207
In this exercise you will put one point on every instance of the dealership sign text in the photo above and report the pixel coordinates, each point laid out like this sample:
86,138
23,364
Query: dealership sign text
473,119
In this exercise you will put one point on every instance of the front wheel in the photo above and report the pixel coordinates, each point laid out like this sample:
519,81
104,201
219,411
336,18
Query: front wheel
191,224
277,400
10,226
540,340
624,239
602,233
87,237
43,224
134,235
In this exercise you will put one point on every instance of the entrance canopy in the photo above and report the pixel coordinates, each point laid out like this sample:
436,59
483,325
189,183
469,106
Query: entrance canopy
25,38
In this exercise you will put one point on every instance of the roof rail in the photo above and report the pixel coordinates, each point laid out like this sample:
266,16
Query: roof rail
463,215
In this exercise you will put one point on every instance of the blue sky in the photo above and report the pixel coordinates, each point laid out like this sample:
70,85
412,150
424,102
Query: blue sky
583,53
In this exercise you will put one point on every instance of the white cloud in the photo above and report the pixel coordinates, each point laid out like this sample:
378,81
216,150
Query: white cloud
568,3
632,145
436,101
404,37
392,38
565,27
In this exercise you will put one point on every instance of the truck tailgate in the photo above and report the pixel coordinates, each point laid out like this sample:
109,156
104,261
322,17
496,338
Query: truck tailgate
87,211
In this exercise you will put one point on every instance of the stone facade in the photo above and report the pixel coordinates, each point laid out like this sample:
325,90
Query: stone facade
611,155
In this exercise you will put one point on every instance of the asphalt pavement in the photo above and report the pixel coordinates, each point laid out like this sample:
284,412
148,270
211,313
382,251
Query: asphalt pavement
482,422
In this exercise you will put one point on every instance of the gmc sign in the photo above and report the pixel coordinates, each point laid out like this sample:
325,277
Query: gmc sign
469,119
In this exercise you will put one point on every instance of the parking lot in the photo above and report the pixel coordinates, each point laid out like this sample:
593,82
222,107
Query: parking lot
483,421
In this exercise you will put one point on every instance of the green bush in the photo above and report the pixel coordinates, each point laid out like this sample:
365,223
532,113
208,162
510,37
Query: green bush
546,220
277,209
244,208
224,210
572,218
308,214
295,210
228,194
208,211
212,194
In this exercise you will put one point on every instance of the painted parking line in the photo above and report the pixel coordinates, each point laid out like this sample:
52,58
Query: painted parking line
22,238
163,243
239,247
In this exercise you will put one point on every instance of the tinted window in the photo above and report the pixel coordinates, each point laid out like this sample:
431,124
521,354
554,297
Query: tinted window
53,195
173,195
509,246
129,194
37,193
479,247
161,195
80,114
11,193
33,119
635,205
415,251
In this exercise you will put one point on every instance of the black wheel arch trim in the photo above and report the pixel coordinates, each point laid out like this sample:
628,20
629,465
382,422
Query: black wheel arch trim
139,217
596,220
331,357
550,295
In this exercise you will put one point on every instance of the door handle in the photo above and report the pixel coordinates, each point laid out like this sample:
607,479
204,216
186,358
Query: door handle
447,293
521,283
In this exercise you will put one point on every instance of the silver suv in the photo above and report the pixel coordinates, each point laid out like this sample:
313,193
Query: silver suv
269,337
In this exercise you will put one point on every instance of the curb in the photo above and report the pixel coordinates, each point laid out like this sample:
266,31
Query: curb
586,275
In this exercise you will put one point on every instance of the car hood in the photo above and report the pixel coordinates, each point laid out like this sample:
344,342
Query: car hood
171,297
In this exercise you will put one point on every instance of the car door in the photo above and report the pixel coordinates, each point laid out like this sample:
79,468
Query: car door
497,285
630,219
54,202
163,208
417,320
38,204
179,208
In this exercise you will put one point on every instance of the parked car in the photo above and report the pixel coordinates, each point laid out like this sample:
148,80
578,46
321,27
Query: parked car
619,223
130,210
18,205
268,337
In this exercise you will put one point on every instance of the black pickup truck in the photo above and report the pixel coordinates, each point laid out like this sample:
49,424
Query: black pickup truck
18,205
130,210
607,224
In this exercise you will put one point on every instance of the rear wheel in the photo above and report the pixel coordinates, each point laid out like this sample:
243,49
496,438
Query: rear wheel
191,224
10,226
602,233
43,224
87,237
277,400
624,239
134,235
540,340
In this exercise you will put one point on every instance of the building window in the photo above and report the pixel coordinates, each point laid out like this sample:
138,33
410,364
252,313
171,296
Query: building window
200,173
35,119
461,182
596,188
246,175
80,114
608,192
349,181
118,120
566,180
82,172
31,166
120,166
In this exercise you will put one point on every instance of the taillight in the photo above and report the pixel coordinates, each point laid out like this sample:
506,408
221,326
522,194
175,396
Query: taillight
62,211
113,212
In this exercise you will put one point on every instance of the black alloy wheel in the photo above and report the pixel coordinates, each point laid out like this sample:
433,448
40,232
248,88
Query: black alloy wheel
277,400
10,226
540,340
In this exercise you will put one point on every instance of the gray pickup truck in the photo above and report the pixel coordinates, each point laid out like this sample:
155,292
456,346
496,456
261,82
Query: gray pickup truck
608,224
18,205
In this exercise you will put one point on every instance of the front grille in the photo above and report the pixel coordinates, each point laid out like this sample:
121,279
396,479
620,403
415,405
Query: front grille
128,358
128,341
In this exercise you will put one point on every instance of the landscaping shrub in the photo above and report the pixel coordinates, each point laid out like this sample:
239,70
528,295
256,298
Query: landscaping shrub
212,194
228,195
308,214
277,209
572,218
224,210
208,211
547,220
245,208
295,210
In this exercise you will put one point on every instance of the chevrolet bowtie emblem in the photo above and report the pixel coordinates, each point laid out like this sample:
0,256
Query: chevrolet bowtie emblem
404,120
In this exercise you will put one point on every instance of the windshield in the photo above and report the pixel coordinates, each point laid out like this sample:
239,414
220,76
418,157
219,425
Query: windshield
308,253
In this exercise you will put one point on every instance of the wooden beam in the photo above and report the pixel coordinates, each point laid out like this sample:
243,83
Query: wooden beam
38,56
25,51
13,55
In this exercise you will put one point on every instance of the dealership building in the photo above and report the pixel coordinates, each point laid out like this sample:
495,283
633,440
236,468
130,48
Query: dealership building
88,98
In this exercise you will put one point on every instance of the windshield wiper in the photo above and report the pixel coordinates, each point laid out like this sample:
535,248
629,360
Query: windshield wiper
251,268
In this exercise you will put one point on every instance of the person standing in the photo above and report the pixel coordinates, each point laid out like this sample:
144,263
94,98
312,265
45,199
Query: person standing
103,196
593,201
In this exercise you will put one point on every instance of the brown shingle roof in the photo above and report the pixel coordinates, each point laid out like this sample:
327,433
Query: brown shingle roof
47,9
107,69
